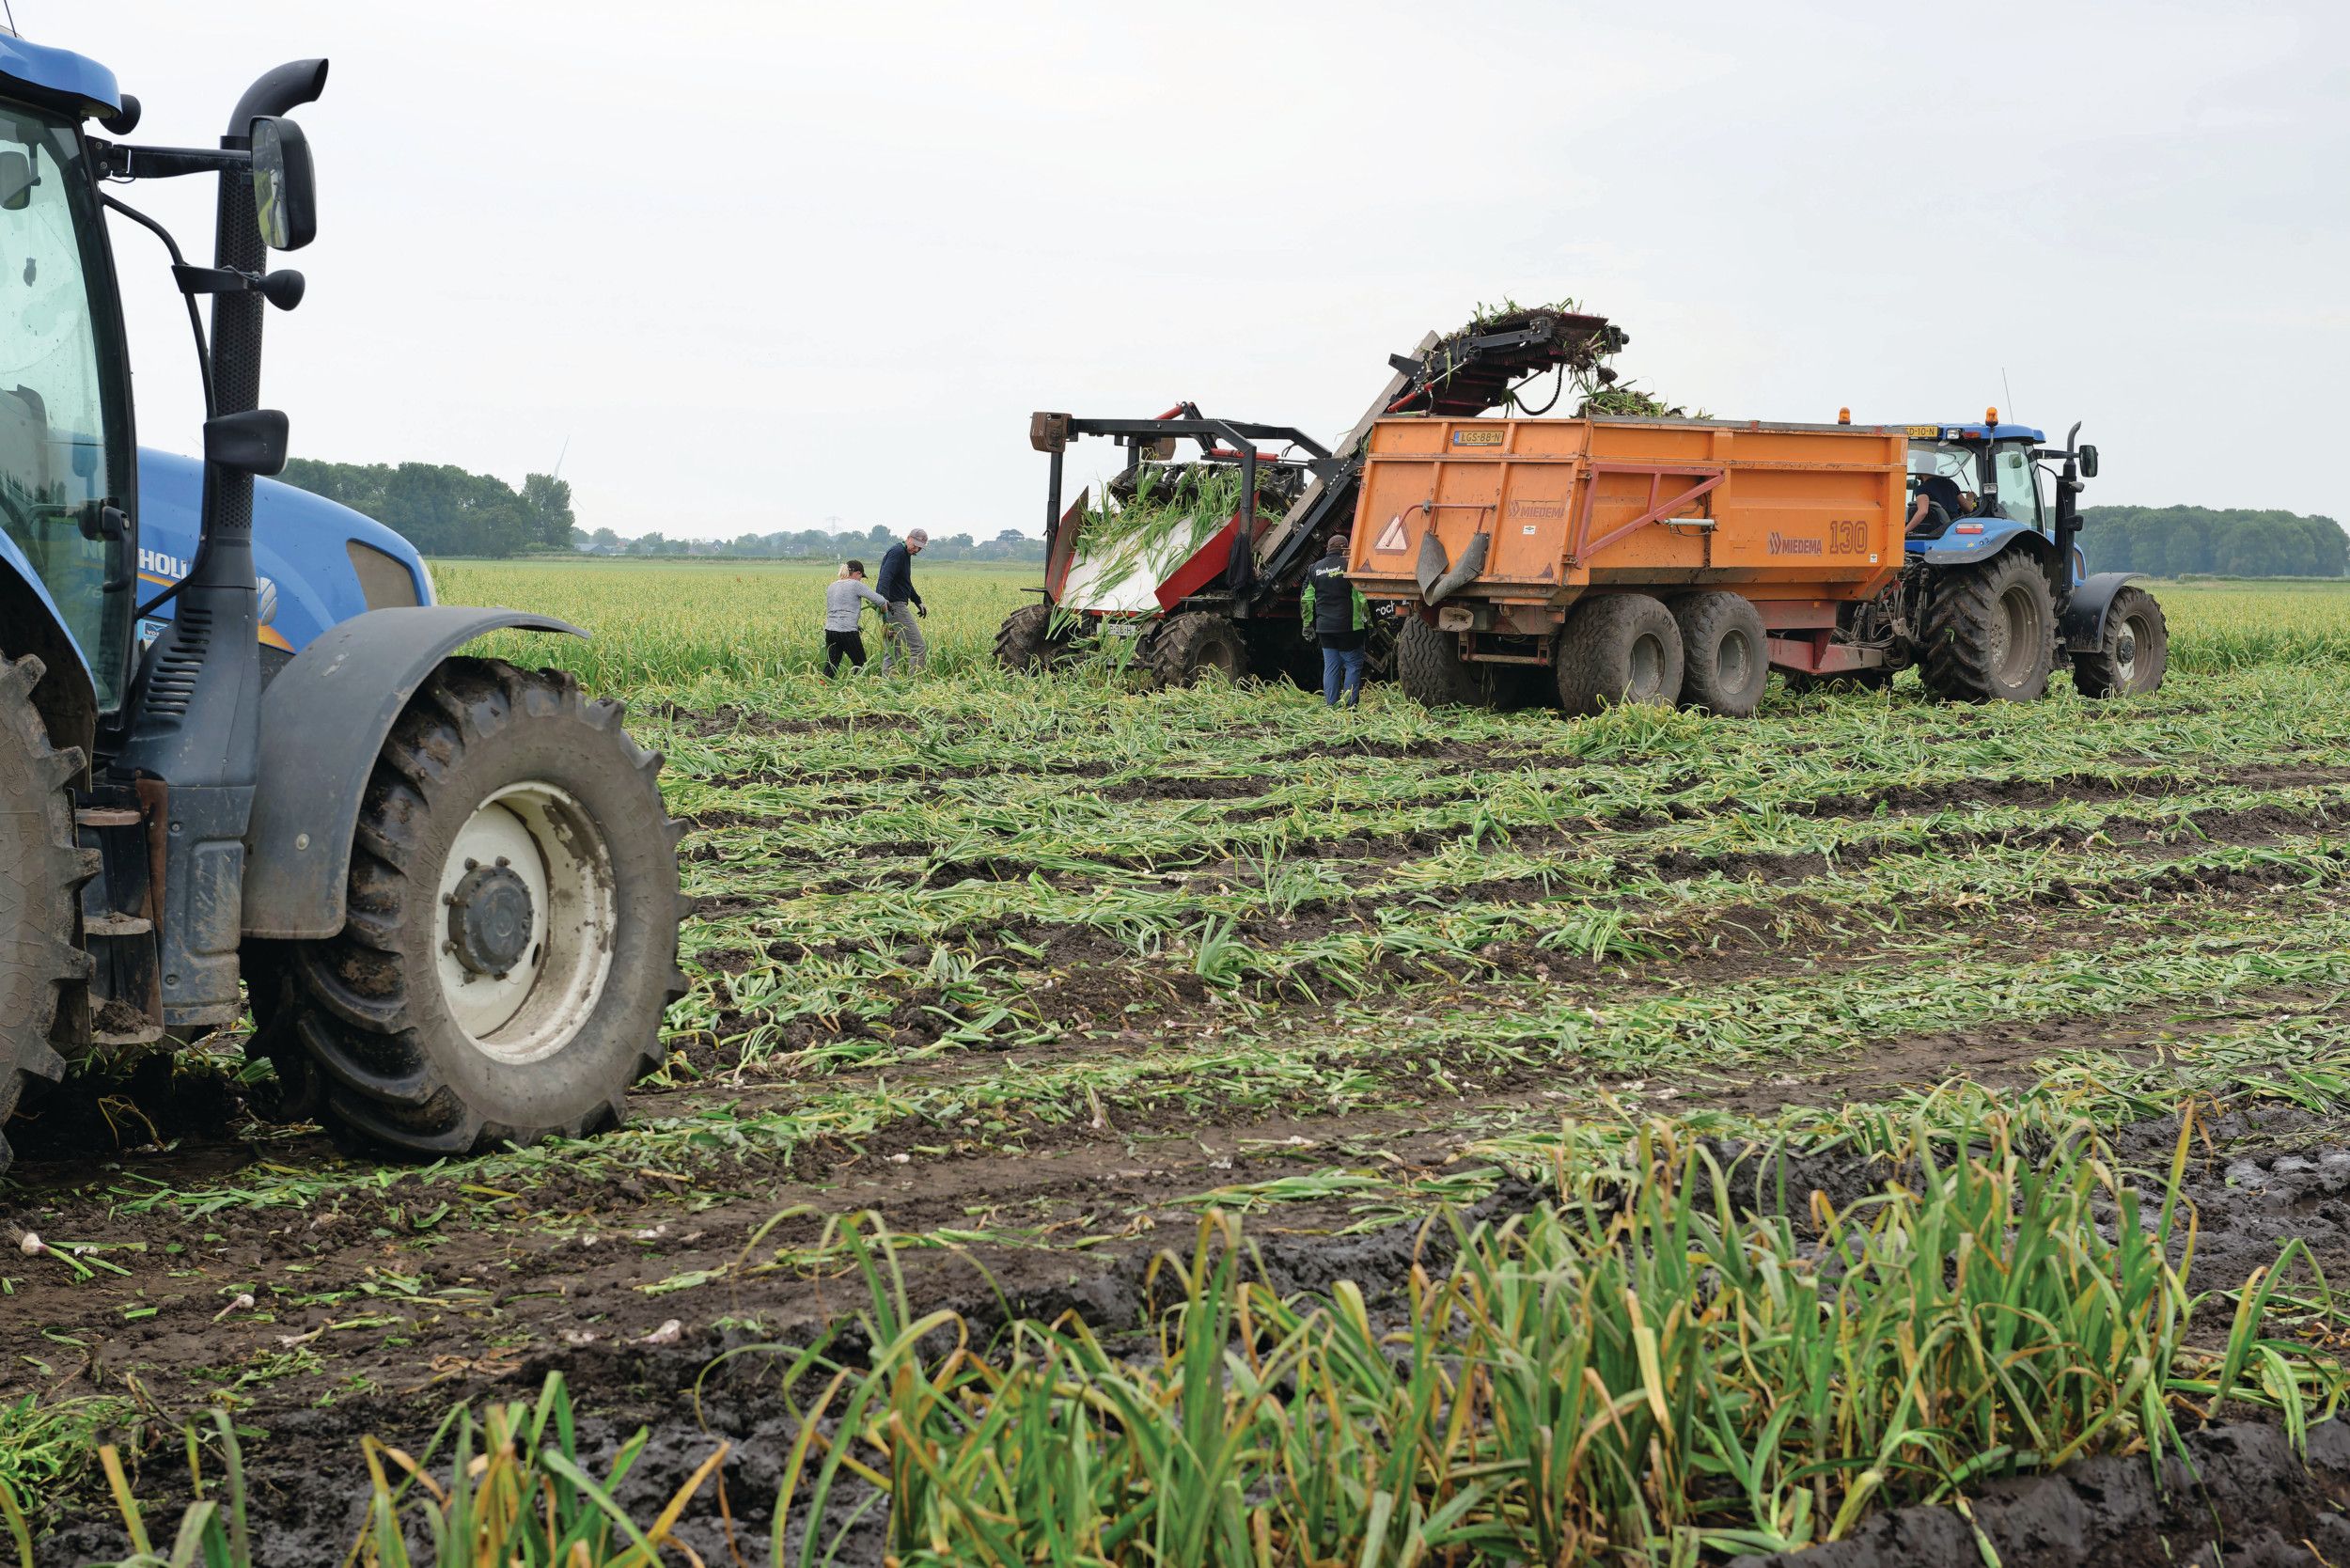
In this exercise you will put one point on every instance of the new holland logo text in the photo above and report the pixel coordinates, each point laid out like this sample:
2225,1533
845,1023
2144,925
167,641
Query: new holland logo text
1783,545
162,565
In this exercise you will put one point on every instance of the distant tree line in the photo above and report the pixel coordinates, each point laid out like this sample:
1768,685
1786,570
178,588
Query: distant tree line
2178,541
443,510
818,544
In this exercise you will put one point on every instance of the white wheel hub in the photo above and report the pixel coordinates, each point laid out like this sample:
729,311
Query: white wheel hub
525,922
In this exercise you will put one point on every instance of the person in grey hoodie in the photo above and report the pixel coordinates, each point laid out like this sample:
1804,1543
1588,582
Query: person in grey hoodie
845,599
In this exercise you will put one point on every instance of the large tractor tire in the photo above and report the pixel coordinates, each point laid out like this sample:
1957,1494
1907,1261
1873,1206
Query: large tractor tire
1429,667
40,871
512,938
2132,655
1190,646
1725,653
1619,648
1025,641
1989,632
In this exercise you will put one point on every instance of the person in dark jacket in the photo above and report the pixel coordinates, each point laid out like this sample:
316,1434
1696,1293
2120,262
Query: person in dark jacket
1338,615
898,630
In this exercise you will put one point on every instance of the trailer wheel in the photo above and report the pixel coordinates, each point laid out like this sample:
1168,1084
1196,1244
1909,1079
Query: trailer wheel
1189,646
512,938
1429,667
1725,653
2132,655
1990,631
1025,639
40,870
1619,648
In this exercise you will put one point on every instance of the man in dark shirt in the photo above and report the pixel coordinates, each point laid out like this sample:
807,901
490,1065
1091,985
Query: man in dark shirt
1339,616
899,628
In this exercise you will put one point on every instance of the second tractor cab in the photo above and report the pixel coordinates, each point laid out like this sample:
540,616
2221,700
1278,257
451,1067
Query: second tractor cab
1996,591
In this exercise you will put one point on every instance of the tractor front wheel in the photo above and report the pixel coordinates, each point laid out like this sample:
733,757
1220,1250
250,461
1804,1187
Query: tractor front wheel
511,942
40,870
2132,653
1190,646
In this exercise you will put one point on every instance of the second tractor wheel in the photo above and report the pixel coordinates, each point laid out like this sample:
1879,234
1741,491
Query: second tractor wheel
2132,653
1619,648
1725,653
1990,631
1429,667
1026,640
511,937
1190,646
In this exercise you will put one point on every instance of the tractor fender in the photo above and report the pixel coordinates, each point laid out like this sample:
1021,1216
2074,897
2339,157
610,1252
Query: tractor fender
1998,535
324,721
66,700
2081,622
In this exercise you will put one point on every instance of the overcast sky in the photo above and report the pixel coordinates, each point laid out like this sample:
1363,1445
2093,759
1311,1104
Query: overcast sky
758,266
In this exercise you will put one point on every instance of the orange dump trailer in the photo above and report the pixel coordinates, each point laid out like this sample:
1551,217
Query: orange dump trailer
1612,559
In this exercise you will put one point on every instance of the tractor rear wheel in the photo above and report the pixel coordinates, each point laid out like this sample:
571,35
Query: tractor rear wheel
1619,648
2134,652
511,937
40,870
1429,667
1724,653
1189,646
1026,640
1990,631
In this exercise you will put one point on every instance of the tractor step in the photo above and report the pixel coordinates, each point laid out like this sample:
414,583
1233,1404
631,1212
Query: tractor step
146,1034
115,924
107,816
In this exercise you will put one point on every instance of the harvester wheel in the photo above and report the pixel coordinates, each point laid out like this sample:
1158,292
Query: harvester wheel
511,937
1619,648
1189,646
2132,655
40,870
1725,653
1990,631
1026,640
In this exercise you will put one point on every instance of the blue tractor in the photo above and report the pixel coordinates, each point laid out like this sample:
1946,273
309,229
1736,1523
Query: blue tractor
243,763
1995,595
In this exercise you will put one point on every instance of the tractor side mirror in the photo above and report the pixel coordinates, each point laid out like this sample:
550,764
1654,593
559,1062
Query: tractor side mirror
2088,463
16,181
284,189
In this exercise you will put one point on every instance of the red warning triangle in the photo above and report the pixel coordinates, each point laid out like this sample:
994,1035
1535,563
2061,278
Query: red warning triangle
1390,541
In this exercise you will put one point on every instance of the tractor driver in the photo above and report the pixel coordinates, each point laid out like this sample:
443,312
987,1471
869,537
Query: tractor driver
1939,503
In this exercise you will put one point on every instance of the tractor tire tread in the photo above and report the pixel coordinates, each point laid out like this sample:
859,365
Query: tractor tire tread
1961,606
1024,641
1178,654
1705,619
40,955
2098,674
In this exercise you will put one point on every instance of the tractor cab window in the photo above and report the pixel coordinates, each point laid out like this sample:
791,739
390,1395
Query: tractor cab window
1942,471
2017,483
65,437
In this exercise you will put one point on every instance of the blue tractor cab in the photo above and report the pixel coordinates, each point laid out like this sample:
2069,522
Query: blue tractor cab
243,766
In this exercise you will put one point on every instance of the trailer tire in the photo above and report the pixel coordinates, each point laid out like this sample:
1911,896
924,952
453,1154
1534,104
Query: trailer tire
1619,648
1189,646
2132,653
1025,641
491,763
1990,631
1429,667
40,868
1725,653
